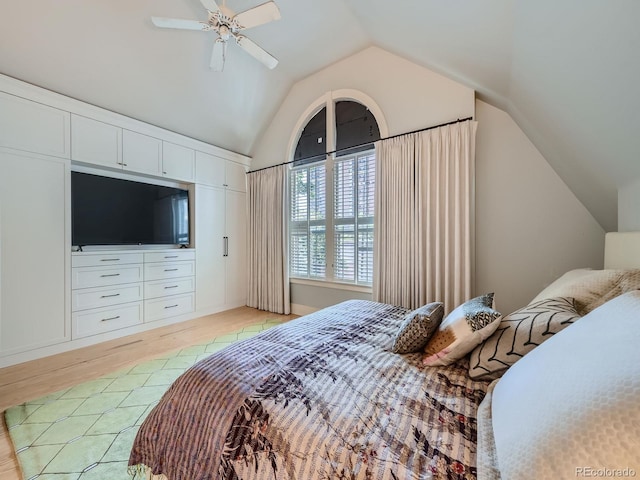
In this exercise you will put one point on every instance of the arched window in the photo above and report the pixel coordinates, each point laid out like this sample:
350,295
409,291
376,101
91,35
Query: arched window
331,208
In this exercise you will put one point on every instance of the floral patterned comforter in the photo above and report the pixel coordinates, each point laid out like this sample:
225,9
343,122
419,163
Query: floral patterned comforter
321,397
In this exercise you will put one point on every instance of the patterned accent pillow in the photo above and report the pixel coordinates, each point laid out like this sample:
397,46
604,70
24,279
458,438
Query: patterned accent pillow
418,327
519,333
462,330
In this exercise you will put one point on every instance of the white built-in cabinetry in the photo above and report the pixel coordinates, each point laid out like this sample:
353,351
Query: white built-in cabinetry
217,172
97,143
107,292
33,127
34,250
169,284
141,153
220,233
52,300
117,289
178,162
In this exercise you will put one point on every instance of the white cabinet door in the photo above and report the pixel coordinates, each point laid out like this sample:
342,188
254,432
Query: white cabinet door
210,170
95,142
178,162
210,262
141,153
34,251
236,231
33,127
235,176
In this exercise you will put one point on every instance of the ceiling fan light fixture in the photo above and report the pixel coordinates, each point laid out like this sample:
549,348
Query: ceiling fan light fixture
227,24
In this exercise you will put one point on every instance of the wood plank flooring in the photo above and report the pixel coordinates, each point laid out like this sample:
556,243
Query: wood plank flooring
30,380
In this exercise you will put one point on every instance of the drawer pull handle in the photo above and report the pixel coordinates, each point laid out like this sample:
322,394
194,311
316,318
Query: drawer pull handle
172,286
171,256
111,275
109,259
110,318
109,296
171,306
170,269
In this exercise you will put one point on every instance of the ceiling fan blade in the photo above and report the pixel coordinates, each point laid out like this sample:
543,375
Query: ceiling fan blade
259,15
255,51
218,54
180,24
210,5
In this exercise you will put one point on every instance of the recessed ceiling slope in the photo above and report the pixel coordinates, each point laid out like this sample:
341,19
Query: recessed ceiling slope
574,91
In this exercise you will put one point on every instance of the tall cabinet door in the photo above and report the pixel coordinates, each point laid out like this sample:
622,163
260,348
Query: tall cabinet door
236,231
34,251
210,260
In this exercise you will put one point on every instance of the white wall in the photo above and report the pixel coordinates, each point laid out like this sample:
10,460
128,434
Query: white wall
530,228
410,97
629,207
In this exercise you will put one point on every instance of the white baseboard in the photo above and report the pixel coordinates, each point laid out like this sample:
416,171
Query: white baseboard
302,309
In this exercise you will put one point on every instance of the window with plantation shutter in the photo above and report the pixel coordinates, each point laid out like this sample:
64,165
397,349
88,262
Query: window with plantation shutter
307,222
332,204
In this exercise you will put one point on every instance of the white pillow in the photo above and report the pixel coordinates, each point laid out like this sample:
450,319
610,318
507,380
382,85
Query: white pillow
558,287
591,288
571,406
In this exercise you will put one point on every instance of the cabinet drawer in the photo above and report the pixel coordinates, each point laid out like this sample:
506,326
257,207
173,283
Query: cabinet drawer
105,259
103,297
162,288
168,307
159,271
87,277
92,322
173,256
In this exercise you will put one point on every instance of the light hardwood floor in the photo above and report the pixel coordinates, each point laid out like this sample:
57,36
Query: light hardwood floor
30,380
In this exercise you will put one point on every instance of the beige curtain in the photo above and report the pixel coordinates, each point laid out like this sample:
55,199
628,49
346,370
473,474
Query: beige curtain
424,217
268,275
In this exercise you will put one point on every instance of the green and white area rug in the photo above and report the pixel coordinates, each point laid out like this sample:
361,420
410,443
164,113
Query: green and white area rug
86,432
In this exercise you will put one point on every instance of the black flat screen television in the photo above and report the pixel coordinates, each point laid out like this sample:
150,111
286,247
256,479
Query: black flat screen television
112,211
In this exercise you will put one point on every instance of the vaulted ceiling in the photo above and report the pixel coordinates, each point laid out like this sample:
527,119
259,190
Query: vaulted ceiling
566,70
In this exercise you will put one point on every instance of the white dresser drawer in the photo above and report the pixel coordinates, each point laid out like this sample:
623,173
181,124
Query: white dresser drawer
105,259
159,271
172,256
162,288
92,322
104,296
168,307
87,277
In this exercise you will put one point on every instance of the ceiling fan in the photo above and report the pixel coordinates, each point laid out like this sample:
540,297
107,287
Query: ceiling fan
228,25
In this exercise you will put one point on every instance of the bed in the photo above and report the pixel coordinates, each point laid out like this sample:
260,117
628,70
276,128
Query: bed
321,397
326,397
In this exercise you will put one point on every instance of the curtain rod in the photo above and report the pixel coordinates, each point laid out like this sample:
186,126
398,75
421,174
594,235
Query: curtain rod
363,144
